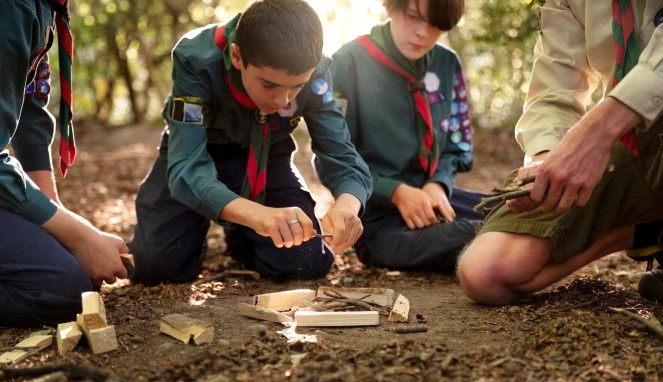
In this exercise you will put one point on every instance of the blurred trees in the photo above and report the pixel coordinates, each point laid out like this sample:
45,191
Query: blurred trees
122,61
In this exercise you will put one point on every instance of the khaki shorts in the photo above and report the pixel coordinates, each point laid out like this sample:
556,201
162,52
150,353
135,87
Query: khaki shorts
630,194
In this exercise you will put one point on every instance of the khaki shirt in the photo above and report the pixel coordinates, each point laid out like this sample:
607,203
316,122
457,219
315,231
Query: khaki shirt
574,54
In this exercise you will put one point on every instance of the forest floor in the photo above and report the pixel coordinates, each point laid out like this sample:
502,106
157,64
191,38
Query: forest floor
567,332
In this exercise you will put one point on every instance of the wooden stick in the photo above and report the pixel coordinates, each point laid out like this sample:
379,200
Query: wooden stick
655,326
416,328
73,371
501,197
232,272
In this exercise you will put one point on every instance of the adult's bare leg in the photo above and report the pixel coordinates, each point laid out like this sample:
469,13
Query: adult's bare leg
498,268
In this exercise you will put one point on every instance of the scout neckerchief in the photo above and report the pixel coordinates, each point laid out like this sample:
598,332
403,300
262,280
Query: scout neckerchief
626,53
381,47
65,56
255,180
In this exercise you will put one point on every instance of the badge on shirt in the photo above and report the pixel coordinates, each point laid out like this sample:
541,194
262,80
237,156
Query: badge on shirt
188,110
342,105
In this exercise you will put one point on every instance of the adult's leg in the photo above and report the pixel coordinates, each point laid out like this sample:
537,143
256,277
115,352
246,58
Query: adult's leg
40,281
169,238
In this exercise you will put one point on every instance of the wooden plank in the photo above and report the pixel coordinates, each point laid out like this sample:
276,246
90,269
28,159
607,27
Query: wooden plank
67,337
381,296
187,329
13,356
401,310
261,313
94,312
360,318
283,300
35,343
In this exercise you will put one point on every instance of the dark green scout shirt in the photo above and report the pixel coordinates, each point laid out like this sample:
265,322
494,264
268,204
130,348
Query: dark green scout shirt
199,76
382,120
26,27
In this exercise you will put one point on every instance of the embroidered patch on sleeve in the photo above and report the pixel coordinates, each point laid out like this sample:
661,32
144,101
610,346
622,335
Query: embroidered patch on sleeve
188,110
342,105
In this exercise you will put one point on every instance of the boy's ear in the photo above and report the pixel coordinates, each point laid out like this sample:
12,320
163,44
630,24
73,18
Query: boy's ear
235,56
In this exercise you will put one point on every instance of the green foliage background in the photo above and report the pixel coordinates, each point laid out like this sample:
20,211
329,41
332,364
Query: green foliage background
122,61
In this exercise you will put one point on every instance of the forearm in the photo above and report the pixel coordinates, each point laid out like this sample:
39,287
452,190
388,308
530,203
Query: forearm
45,180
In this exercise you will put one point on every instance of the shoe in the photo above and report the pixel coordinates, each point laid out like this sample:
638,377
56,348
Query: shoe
651,285
648,254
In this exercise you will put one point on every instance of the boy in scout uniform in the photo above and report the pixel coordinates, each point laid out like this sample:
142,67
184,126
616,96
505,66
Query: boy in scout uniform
239,90
408,113
598,187
48,255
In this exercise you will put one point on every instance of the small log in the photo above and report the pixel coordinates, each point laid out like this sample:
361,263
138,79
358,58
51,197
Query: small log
94,312
380,296
361,318
67,337
187,329
261,313
400,310
285,300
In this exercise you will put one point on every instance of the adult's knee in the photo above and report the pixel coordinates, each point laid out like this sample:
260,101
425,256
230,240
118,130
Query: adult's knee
157,265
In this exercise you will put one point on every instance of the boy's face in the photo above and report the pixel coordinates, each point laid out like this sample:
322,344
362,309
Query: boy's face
413,35
270,89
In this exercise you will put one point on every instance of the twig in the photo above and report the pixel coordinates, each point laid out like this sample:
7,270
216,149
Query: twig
352,301
232,272
73,371
501,197
415,328
655,326
516,184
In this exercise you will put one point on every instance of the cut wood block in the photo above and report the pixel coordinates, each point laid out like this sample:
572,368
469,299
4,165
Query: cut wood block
101,340
13,356
67,337
35,343
361,318
261,313
283,300
381,296
401,310
187,329
94,312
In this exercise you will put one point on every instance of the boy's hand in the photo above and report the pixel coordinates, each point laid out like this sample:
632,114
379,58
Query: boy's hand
97,252
416,206
342,222
440,201
287,227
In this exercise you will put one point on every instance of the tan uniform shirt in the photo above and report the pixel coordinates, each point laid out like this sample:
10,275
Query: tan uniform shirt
574,54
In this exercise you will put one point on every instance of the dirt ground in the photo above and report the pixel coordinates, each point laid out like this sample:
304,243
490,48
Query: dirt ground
565,333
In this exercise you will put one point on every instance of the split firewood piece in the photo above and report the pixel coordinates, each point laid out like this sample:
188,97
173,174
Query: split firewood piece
283,300
102,340
400,310
129,263
360,318
380,296
67,337
35,343
13,356
94,312
187,329
262,313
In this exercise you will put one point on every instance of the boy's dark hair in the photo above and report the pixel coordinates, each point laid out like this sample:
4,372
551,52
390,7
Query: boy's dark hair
442,14
280,34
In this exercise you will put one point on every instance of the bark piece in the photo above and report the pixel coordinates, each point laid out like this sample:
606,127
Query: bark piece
262,313
360,318
283,300
400,310
67,337
380,296
187,329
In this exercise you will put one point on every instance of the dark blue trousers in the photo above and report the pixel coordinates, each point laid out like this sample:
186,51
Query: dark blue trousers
169,238
40,281
389,243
